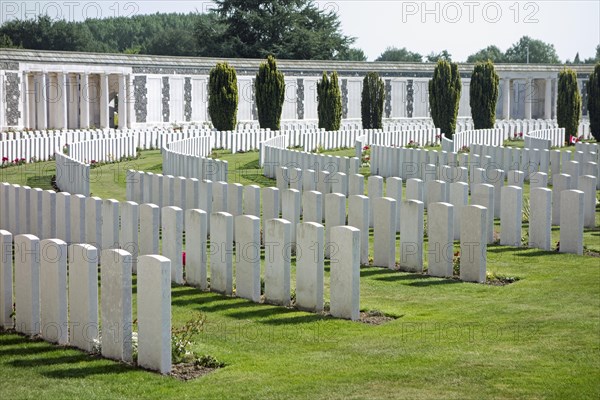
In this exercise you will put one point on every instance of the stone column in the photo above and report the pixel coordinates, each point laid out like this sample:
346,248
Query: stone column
41,98
72,102
84,100
26,100
52,100
2,101
506,98
129,100
548,99
123,104
62,121
528,97
104,97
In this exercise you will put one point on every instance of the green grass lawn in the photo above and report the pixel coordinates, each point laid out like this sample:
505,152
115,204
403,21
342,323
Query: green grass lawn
537,338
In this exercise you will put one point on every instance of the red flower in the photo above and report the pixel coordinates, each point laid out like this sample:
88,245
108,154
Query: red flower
521,134
4,159
183,258
366,148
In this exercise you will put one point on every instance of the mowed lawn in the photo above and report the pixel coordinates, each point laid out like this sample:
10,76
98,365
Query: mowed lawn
536,338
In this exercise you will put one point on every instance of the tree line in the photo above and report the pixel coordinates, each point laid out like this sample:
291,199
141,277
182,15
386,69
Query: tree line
444,96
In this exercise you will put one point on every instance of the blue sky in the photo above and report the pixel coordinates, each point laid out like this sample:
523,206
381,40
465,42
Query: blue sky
461,27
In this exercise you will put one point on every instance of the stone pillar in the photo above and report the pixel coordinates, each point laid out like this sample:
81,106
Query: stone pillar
6,280
540,218
345,273
511,216
116,306
221,253
247,269
3,124
196,233
154,313
129,100
528,97
104,98
83,296
73,102
53,291
62,121
506,98
309,267
473,244
26,100
411,235
172,240
84,100
571,221
548,99
384,233
358,217
278,247
123,103
41,100
27,284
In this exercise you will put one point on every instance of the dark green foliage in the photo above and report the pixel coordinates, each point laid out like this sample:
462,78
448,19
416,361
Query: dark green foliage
270,94
491,53
286,29
484,95
593,102
397,54
568,106
329,97
223,97
371,103
444,96
539,52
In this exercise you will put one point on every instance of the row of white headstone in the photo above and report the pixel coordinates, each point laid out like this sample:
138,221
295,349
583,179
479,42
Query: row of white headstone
193,166
56,296
71,175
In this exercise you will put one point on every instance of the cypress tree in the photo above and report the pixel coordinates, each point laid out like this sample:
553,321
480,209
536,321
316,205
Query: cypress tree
593,102
223,97
484,95
270,94
372,101
568,104
329,99
444,95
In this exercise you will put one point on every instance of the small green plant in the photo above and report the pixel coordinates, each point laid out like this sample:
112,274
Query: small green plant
181,338
526,209
366,156
456,263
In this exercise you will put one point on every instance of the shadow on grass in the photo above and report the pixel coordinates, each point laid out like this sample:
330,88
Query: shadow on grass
38,362
85,371
40,181
187,295
30,350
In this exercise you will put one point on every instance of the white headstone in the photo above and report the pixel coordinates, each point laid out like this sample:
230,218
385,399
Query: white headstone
345,273
53,291
384,233
172,240
221,253
312,202
195,248
587,184
571,221
511,216
83,296
393,190
128,235
358,217
309,266
375,191
278,246
540,218
6,280
411,235
335,215
290,209
473,244
27,284
115,304
560,183
440,228
270,203
252,200
154,313
247,269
